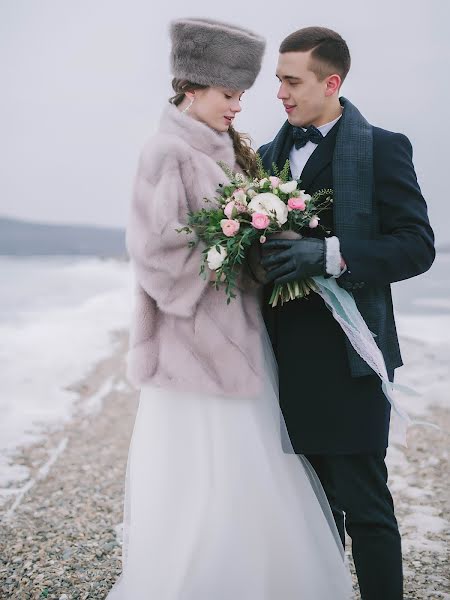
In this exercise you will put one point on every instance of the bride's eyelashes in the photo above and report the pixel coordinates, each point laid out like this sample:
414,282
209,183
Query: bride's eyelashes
231,97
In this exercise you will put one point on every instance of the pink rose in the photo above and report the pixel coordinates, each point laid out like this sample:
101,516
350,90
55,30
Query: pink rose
230,227
228,210
274,182
260,221
296,203
314,222
239,206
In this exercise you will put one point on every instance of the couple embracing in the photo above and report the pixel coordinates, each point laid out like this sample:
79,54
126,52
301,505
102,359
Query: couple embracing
261,434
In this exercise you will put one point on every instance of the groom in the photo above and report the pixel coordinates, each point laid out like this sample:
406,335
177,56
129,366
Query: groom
376,233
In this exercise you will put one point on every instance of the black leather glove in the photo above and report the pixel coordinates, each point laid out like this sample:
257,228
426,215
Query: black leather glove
293,260
253,263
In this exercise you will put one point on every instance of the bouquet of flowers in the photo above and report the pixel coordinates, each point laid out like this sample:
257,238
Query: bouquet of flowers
246,211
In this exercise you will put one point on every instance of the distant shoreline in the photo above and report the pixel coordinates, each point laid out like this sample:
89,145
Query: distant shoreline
19,237
26,238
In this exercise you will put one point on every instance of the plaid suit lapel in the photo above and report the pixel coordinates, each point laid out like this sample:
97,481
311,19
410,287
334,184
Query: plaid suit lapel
353,175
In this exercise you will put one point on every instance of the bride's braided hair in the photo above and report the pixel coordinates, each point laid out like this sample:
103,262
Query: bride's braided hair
245,155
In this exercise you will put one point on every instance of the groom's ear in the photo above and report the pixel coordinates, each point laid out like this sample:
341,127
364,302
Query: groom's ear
333,83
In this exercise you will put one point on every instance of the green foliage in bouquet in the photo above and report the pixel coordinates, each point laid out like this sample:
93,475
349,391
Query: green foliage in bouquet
263,174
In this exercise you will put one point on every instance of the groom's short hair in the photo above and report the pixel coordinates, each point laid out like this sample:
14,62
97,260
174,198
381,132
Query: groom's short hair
330,53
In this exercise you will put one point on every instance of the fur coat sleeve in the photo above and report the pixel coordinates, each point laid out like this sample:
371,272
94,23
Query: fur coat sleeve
164,264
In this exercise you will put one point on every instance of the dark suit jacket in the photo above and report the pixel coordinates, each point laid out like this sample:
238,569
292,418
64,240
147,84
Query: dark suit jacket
338,411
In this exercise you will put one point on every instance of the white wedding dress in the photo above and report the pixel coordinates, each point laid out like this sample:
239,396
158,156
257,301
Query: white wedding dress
216,510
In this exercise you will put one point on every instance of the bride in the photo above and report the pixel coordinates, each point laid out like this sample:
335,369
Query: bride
217,505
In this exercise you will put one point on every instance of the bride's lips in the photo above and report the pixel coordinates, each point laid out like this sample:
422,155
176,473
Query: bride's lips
288,108
229,119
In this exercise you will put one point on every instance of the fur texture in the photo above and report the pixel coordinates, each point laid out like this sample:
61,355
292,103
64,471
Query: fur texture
215,54
183,334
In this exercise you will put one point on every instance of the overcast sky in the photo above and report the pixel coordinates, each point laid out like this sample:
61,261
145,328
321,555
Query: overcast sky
84,83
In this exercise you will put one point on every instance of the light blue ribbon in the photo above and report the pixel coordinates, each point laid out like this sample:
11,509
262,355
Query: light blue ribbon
345,311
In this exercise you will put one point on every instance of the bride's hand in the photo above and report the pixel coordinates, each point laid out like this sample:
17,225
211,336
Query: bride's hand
213,276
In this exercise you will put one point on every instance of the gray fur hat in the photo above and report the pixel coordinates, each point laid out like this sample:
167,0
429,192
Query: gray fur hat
215,54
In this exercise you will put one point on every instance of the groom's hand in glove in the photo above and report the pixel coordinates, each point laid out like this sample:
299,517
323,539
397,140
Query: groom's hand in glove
253,263
293,260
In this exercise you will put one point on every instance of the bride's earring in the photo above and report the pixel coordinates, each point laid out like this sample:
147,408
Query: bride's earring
189,105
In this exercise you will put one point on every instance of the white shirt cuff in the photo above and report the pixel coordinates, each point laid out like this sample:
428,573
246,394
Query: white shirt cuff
333,257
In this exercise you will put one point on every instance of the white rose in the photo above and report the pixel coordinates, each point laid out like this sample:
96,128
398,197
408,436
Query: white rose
215,258
240,196
305,197
289,187
314,222
263,182
251,193
268,204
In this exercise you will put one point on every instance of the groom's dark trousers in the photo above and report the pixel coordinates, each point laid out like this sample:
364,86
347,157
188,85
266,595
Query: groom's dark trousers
355,484
335,411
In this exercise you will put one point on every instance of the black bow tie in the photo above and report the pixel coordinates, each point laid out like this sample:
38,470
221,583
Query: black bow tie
302,137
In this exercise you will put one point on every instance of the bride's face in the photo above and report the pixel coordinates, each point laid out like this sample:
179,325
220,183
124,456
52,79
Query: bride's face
215,106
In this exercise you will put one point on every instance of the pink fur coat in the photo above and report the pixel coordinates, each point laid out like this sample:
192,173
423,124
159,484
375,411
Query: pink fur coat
183,333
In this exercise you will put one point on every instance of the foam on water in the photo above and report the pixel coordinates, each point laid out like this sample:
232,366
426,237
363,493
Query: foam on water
56,320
